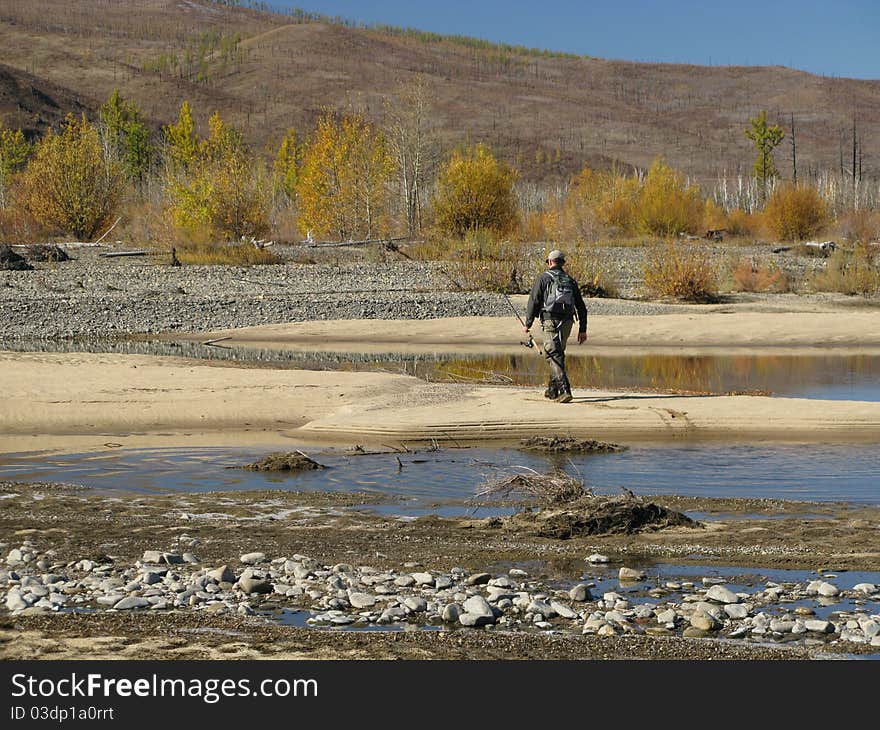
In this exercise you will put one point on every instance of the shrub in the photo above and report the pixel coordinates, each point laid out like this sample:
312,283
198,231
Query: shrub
860,226
667,205
70,184
795,212
741,223
749,276
475,191
851,272
681,271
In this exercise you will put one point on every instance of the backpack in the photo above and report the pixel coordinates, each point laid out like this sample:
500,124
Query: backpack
559,298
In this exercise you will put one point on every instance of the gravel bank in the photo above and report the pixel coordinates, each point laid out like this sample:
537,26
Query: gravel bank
93,296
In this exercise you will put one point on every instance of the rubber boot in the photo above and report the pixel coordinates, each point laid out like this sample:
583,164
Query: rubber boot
552,390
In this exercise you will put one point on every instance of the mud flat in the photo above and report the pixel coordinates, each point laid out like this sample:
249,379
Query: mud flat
289,575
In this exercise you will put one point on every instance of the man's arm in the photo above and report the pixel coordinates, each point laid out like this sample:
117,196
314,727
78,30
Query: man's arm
536,299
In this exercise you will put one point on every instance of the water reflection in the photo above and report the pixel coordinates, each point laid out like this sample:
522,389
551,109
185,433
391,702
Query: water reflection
834,377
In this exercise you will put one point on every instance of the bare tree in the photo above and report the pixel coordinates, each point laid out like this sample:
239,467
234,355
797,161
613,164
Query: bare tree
413,145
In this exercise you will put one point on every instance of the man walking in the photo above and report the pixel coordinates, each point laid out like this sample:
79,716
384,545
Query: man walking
556,300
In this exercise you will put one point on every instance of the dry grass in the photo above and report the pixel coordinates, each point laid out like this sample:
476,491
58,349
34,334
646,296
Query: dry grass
554,488
852,272
750,276
232,254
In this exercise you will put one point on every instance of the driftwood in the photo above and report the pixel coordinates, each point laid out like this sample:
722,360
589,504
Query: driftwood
213,343
114,254
342,244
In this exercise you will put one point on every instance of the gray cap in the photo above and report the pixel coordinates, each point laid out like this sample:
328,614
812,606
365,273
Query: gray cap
556,256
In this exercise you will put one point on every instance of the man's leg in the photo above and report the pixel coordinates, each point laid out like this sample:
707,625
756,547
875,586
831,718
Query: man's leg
555,335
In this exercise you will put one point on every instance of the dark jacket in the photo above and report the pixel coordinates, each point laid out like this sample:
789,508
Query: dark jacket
536,301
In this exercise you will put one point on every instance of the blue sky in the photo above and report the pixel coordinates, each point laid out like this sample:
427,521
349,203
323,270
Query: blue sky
832,38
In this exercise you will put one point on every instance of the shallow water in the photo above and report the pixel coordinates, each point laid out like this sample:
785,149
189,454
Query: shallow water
809,472
828,377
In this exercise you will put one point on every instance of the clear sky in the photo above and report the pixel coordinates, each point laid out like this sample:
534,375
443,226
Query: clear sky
832,38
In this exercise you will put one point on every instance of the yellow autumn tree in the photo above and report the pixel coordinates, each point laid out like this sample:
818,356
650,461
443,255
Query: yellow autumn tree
286,166
475,191
223,189
667,204
182,144
70,183
342,185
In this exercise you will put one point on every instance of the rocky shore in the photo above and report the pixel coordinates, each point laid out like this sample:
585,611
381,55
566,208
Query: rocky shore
606,596
92,296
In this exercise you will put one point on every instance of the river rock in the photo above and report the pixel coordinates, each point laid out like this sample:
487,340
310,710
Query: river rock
517,573
250,585
478,579
597,559
781,626
451,612
423,579
866,588
416,604
737,610
819,626
361,600
223,574
541,607
669,616
703,621
502,582
580,593
827,589
405,581
562,610
472,619
722,594
130,602
152,556
253,558
606,630
631,574
478,606
15,602
442,581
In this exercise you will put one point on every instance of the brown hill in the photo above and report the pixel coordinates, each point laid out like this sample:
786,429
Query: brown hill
547,113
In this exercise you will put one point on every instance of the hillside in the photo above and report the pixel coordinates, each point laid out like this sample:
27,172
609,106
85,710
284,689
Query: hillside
546,113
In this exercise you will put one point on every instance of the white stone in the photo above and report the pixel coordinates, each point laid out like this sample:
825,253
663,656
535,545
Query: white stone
867,588
722,594
819,626
478,606
252,558
361,600
631,574
416,603
423,579
737,610
580,593
597,558
130,602
451,612
827,589
562,610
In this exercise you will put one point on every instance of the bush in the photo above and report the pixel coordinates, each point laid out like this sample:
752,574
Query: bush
850,272
223,190
475,191
749,276
795,212
667,205
681,271
70,184
860,226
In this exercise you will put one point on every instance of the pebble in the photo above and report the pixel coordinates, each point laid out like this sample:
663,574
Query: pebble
478,606
580,593
130,602
631,574
722,594
252,558
478,579
361,600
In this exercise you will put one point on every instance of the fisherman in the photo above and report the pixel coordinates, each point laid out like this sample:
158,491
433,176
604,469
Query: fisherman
556,300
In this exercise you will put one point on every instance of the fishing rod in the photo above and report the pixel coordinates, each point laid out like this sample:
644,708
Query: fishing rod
531,343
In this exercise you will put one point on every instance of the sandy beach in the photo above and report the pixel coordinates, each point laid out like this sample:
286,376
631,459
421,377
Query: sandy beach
80,401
